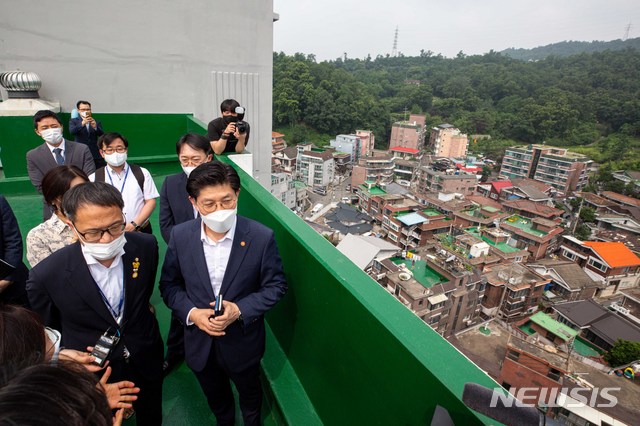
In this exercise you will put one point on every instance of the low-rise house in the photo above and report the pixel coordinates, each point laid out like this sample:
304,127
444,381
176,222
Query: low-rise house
430,180
412,226
377,168
277,142
283,188
347,220
610,263
478,216
501,244
284,160
596,324
531,209
440,287
364,250
569,282
512,291
493,189
528,189
621,199
539,236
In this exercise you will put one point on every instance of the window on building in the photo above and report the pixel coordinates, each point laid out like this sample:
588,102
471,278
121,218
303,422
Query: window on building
597,265
554,374
566,253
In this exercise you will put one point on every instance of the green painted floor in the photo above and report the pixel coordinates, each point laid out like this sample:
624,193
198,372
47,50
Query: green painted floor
421,272
184,402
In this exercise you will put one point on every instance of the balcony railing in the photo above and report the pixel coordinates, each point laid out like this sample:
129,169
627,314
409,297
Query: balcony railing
336,333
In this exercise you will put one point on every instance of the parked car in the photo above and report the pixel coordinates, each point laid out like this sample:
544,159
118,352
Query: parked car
319,190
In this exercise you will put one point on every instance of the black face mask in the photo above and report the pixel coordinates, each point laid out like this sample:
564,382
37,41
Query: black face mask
229,119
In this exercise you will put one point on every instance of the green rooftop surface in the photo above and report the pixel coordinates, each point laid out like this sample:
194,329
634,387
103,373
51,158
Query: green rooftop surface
431,212
525,224
503,247
490,209
562,331
374,190
299,185
585,348
421,272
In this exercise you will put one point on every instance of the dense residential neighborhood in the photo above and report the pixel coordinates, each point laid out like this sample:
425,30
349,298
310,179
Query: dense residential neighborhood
479,249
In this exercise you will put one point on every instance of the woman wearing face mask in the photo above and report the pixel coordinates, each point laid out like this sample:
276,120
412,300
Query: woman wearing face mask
54,234
135,183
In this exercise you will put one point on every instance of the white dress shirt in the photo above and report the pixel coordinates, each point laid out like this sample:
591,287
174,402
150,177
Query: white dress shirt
110,281
127,184
61,146
216,255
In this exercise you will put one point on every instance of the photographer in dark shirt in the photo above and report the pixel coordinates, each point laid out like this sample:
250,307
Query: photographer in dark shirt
229,133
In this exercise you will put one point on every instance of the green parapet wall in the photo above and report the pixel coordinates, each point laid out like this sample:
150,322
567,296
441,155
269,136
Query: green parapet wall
360,355
152,139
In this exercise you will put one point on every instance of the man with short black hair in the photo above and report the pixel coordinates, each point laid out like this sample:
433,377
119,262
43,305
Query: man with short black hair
223,132
175,208
87,130
234,259
101,285
56,151
132,181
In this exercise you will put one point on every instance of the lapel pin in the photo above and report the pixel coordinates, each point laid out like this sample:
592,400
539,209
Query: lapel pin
136,266
242,243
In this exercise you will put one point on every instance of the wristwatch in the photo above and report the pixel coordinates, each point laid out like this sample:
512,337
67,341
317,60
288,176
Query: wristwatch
136,227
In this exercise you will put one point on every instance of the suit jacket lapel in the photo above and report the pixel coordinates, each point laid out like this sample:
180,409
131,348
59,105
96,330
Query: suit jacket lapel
47,156
82,282
198,256
128,258
239,248
185,204
69,152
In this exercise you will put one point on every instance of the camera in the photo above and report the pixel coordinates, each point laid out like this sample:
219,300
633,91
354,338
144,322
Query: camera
241,126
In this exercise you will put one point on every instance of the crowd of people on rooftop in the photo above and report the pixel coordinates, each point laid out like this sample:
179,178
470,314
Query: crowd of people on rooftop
79,340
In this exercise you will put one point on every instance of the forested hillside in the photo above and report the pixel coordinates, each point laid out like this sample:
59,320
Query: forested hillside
590,100
568,48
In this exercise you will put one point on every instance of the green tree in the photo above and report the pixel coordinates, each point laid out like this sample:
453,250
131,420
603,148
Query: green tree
623,352
588,214
582,232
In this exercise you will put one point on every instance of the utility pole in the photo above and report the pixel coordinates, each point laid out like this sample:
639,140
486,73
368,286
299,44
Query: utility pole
394,51
577,218
626,32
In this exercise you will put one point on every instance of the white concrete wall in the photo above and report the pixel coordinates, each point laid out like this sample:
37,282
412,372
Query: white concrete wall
148,56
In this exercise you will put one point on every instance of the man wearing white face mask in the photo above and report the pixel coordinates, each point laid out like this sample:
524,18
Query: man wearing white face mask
102,285
54,152
134,182
175,208
222,255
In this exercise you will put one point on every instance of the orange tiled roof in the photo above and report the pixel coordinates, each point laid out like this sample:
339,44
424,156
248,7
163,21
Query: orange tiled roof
616,254
276,135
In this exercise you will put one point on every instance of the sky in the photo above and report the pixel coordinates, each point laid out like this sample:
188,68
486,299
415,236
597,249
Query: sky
331,28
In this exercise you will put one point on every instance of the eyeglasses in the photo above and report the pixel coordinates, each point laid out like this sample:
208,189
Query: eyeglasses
212,206
193,161
95,235
119,149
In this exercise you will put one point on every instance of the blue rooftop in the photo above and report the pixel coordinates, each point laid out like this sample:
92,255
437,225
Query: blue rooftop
411,219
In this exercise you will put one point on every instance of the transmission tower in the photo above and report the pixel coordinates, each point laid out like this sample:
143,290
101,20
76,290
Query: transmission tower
626,32
394,52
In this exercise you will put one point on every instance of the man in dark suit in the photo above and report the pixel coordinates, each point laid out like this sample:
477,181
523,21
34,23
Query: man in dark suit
175,208
102,284
87,130
11,281
223,255
56,151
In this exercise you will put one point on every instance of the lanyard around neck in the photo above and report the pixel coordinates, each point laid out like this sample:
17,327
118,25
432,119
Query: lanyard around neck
126,173
117,315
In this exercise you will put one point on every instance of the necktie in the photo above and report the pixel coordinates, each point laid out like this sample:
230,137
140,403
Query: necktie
59,157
